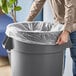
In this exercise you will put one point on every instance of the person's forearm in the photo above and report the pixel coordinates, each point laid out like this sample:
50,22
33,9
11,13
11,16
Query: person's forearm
35,8
69,15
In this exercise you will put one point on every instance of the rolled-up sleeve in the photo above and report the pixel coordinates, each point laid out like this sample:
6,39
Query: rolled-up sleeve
69,15
35,8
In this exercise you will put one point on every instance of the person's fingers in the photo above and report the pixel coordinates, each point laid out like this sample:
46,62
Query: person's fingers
63,38
59,40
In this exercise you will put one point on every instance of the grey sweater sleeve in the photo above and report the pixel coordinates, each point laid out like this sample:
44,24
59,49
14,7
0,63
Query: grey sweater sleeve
35,8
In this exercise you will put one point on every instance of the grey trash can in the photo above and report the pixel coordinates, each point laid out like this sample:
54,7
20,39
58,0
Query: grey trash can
35,52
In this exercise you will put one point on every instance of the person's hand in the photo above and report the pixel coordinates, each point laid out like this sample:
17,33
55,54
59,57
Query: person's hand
63,38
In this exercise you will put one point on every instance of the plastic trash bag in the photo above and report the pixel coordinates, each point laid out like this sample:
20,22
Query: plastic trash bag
33,32
43,33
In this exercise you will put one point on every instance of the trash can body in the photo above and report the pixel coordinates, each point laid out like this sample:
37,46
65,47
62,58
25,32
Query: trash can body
34,49
36,60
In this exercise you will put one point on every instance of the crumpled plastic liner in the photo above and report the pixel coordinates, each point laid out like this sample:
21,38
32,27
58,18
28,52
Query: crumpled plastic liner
35,32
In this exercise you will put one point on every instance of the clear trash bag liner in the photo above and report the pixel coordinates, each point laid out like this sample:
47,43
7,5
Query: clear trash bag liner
36,32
